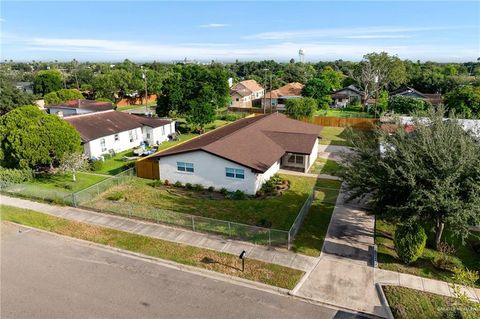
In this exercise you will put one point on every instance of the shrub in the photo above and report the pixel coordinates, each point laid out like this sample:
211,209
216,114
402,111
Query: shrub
11,175
188,186
211,189
224,191
198,187
178,184
238,194
166,182
156,183
115,196
96,165
410,240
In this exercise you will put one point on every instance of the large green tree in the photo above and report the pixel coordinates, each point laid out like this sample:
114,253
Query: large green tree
62,95
300,108
429,176
47,81
407,104
321,87
31,138
464,101
11,97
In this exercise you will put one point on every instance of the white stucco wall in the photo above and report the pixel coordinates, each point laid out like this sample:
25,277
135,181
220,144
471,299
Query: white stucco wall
210,171
313,155
158,134
94,149
67,111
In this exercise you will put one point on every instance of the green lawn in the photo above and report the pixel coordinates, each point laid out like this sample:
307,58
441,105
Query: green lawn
346,112
203,258
281,211
408,303
309,240
64,183
424,266
325,166
334,136
115,164
53,188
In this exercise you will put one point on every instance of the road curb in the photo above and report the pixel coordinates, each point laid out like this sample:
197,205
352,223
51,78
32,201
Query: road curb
384,301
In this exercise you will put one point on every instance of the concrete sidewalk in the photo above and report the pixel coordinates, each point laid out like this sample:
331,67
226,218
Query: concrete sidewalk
278,256
294,173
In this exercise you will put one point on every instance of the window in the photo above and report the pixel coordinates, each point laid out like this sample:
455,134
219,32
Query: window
235,173
117,138
185,167
132,135
102,145
295,159
148,135
163,130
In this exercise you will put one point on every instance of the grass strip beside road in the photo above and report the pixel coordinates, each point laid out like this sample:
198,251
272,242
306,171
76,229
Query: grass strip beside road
228,264
408,303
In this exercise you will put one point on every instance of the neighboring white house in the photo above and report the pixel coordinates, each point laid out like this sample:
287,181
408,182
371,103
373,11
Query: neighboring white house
243,93
75,107
242,155
112,132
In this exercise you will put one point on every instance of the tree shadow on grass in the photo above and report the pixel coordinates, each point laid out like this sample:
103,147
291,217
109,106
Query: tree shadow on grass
210,261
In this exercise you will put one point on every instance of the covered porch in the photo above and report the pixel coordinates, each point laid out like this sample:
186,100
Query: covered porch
295,162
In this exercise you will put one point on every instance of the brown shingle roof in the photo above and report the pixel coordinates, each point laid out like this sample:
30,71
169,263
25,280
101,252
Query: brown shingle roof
85,105
256,142
252,85
99,124
290,89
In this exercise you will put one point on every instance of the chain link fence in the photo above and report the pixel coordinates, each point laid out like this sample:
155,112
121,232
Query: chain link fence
26,190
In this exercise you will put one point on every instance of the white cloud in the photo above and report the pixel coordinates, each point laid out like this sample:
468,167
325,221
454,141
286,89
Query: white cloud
339,32
2,20
214,25
110,49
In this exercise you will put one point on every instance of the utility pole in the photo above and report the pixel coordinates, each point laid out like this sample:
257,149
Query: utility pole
271,106
265,91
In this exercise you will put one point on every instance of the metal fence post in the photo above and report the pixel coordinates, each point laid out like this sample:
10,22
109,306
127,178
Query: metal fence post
288,241
229,229
193,223
269,238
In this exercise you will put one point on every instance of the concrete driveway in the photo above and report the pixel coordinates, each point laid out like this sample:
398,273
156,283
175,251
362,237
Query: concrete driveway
333,152
343,275
45,276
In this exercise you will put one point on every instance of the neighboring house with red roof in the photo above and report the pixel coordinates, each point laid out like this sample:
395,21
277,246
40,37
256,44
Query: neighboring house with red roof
275,99
242,155
243,93
75,107
107,132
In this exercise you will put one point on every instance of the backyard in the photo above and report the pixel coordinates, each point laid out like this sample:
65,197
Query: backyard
463,256
353,111
325,166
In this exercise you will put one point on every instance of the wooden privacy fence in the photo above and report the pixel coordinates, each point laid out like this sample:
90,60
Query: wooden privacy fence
354,122
148,168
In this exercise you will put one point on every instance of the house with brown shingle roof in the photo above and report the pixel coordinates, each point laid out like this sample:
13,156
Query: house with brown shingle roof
108,132
242,155
275,99
243,93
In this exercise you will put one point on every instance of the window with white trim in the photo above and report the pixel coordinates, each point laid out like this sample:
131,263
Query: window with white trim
103,146
185,167
235,173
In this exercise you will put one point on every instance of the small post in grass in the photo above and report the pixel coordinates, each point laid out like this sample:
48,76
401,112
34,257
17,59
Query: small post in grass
242,257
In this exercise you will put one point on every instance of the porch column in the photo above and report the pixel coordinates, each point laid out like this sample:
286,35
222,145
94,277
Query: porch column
305,163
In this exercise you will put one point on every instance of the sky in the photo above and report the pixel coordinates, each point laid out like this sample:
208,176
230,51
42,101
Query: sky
245,30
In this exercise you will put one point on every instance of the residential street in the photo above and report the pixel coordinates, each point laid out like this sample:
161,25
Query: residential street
44,276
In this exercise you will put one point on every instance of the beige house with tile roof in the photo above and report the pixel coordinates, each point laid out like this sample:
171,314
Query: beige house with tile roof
243,93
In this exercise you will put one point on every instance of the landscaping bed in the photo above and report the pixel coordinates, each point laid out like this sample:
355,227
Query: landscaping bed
427,265
263,272
408,303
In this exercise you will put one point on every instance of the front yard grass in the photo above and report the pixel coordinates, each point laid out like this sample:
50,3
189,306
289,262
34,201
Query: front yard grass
281,211
310,238
408,303
464,256
325,166
64,182
203,258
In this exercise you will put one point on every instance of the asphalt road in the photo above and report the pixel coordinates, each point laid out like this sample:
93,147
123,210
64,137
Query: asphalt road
44,276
